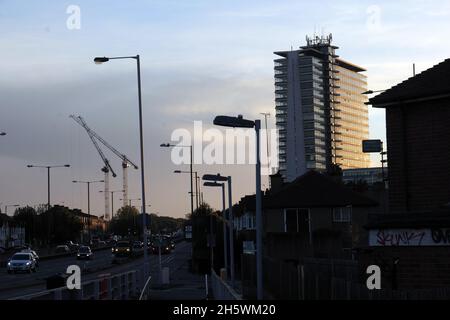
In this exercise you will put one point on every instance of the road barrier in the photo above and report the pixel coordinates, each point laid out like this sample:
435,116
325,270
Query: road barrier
123,286
221,290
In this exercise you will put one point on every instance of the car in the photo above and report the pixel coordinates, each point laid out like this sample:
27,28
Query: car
72,246
169,238
62,249
21,262
85,252
163,244
122,249
33,253
137,248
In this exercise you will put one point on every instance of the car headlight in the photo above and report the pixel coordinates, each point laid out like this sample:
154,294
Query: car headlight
9,264
128,249
28,263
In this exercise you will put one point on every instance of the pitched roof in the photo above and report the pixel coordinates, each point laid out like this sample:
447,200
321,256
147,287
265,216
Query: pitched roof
314,189
428,84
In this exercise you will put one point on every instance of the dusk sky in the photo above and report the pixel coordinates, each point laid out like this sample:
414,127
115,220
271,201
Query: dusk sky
199,59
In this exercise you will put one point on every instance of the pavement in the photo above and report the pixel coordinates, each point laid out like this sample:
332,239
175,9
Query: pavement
183,285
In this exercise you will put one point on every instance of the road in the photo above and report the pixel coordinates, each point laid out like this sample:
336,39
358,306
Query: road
15,285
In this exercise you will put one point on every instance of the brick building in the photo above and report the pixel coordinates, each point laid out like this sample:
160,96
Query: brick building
411,243
418,136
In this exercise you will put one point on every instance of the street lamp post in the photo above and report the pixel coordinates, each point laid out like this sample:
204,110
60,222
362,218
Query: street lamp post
192,191
225,253
48,189
168,145
130,201
2,133
48,178
88,183
240,122
99,60
219,178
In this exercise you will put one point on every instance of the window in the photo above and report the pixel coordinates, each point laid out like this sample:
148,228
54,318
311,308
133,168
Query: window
296,221
342,214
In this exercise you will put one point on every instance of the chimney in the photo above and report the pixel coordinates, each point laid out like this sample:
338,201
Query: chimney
276,182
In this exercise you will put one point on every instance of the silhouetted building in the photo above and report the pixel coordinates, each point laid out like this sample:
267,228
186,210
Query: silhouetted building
411,244
418,136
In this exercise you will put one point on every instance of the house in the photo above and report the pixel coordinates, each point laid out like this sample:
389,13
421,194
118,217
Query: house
314,216
411,243
417,118
11,233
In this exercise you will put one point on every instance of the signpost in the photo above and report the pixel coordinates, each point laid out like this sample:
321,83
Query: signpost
372,146
376,146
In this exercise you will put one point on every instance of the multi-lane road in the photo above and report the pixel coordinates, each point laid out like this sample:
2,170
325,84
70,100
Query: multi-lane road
16,285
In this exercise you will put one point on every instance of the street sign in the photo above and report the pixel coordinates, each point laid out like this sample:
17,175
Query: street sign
372,146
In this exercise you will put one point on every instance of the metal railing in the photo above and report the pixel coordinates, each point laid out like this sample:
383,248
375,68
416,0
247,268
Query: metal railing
145,293
123,286
221,290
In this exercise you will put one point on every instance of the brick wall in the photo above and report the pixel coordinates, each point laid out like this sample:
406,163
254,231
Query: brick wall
419,155
417,268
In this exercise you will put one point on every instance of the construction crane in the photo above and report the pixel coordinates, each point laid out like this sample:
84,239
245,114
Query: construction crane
106,169
125,161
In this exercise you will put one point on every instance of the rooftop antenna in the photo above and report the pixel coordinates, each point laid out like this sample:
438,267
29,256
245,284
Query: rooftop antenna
414,69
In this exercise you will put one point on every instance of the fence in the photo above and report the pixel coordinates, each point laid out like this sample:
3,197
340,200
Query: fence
123,286
221,290
325,279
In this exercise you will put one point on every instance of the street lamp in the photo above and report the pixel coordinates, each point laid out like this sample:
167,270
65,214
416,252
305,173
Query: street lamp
10,205
48,190
130,201
222,185
192,191
100,60
369,92
218,178
168,145
2,133
112,200
88,183
240,122
48,178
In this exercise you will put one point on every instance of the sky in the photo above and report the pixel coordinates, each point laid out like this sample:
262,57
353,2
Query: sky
198,59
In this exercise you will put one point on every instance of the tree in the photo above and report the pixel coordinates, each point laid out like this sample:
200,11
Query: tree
27,217
65,225
200,230
57,225
125,221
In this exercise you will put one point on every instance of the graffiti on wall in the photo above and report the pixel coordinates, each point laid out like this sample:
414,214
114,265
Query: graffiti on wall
410,237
